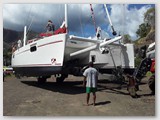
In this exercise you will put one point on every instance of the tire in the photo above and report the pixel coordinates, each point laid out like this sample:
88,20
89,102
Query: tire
61,79
42,80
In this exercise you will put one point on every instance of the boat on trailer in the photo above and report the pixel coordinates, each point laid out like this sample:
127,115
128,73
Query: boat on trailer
63,54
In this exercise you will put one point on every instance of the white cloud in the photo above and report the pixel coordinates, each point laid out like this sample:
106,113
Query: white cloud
127,20
15,16
22,14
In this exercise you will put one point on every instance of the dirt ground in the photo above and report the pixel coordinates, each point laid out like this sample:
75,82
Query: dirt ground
25,97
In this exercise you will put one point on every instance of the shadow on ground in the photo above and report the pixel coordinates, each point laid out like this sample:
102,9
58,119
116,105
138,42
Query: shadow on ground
68,87
117,87
76,87
103,103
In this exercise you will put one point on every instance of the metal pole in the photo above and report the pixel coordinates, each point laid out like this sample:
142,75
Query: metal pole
24,38
114,32
66,18
83,50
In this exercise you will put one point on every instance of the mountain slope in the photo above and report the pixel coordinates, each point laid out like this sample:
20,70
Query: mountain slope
10,36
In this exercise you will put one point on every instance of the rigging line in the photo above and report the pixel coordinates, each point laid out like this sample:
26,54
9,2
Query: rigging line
122,40
29,12
25,22
81,21
112,57
59,16
62,18
27,32
92,15
123,21
29,26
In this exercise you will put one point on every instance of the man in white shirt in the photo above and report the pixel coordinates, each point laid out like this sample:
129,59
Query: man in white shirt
91,76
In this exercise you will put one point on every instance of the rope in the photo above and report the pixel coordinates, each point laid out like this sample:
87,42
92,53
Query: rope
94,22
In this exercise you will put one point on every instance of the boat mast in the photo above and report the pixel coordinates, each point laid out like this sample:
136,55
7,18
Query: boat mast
66,18
113,31
24,38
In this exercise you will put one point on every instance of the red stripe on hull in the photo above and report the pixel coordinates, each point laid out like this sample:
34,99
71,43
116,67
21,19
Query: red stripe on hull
41,46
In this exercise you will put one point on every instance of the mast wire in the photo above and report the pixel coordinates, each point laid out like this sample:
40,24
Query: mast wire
81,21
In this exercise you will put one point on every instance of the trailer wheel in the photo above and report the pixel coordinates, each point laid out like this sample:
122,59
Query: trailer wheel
61,79
151,83
42,79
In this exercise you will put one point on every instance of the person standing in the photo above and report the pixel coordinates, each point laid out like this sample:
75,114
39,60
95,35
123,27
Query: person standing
90,81
50,26
19,42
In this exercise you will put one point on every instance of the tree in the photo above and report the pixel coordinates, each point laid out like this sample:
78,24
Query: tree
149,17
127,38
143,30
149,23
7,54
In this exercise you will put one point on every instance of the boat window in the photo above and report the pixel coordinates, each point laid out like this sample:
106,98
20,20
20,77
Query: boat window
93,58
33,48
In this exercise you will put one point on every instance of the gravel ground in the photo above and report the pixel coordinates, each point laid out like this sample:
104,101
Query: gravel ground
25,97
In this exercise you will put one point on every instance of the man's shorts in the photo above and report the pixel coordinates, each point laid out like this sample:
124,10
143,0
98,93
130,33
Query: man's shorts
89,90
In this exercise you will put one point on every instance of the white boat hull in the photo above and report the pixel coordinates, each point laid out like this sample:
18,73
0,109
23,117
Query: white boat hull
52,55
47,56
40,57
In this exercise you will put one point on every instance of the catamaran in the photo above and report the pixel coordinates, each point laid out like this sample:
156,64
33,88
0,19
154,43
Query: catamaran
62,54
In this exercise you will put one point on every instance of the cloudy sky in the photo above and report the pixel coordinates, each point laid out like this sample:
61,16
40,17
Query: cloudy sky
125,17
